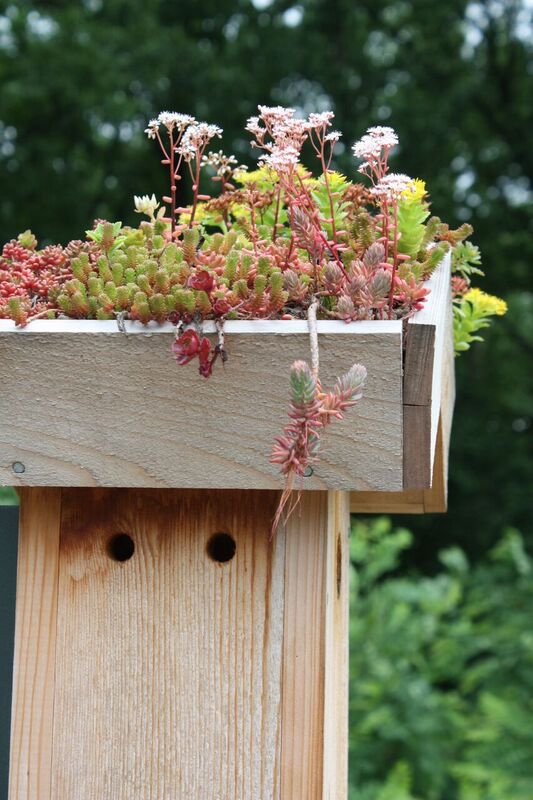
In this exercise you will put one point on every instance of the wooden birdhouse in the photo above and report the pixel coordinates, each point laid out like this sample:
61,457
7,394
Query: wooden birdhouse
167,646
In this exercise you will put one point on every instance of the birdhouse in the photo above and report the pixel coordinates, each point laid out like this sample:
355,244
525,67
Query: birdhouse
167,645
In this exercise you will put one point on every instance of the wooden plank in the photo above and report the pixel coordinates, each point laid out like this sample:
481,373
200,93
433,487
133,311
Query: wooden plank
417,460
428,339
314,711
336,653
303,651
35,646
435,499
418,364
409,501
168,664
447,396
104,408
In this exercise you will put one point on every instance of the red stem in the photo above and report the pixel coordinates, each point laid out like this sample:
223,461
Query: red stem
172,186
276,215
195,187
394,257
326,181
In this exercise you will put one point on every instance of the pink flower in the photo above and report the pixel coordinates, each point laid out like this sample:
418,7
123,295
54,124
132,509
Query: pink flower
282,158
196,138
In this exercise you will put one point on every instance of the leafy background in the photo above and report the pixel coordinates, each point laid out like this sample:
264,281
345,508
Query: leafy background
441,624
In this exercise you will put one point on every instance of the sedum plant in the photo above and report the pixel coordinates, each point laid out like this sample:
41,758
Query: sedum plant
278,242
472,307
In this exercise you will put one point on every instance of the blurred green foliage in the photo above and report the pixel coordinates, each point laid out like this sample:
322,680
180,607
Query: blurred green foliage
441,671
8,496
441,636
80,80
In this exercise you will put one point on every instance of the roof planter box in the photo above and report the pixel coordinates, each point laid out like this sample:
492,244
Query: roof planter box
84,404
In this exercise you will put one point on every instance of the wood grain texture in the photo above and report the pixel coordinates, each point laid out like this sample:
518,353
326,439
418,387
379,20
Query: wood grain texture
409,501
171,675
168,664
336,654
428,342
417,447
114,409
447,398
315,666
418,364
435,499
35,645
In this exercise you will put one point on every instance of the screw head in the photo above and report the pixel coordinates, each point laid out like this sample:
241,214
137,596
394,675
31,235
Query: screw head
18,467
308,471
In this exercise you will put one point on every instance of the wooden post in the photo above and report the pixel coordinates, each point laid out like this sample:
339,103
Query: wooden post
210,662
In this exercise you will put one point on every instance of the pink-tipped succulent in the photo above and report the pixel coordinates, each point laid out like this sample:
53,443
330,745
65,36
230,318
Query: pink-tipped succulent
298,447
310,411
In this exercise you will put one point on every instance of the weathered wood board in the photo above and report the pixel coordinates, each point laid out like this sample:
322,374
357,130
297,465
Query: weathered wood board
428,382
85,405
171,674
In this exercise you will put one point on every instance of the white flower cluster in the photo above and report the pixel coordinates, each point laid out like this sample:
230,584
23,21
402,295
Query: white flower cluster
282,157
320,119
375,140
275,113
288,134
393,186
196,138
170,120
332,136
254,127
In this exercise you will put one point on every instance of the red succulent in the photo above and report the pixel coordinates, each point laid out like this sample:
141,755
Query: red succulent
202,280
190,345
186,346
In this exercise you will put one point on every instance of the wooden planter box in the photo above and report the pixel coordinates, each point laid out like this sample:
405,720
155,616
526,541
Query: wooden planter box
180,669
85,405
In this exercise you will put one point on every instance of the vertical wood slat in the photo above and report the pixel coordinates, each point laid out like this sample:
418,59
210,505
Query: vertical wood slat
35,645
429,341
336,651
315,663
176,676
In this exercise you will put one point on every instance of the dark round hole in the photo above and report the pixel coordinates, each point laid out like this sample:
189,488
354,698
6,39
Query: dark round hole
221,547
120,547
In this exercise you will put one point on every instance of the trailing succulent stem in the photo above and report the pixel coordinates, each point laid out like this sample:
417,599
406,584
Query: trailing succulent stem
311,410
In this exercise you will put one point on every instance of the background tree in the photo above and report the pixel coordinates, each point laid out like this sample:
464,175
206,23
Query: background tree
80,80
